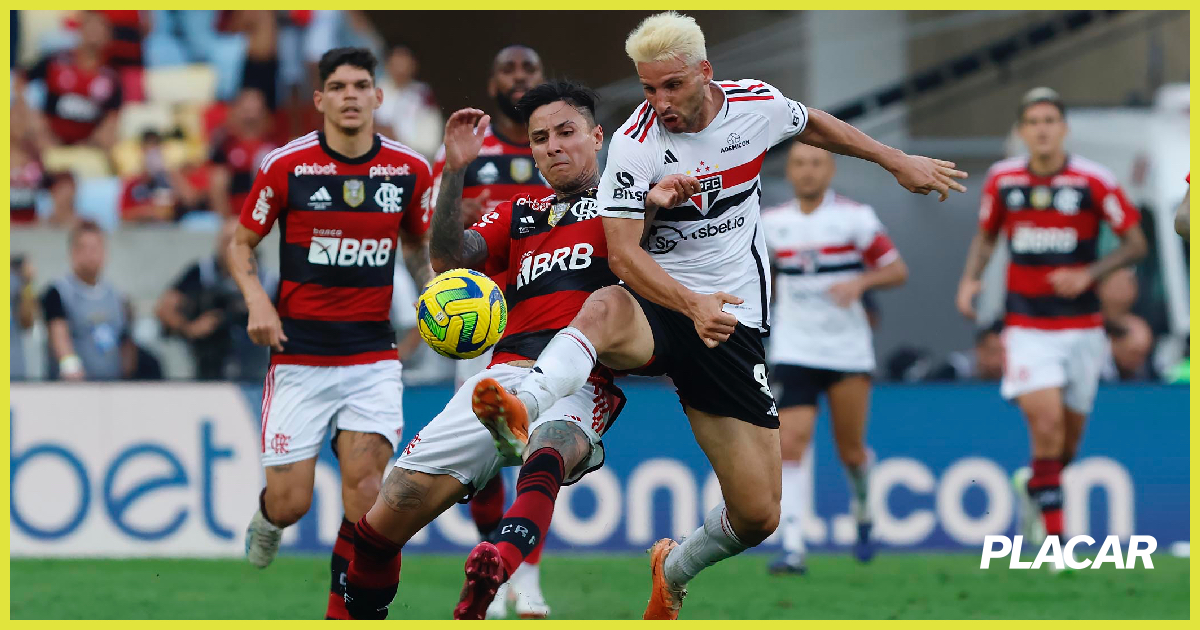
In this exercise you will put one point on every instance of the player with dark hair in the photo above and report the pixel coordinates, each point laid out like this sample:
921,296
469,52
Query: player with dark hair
343,196
553,254
503,169
1049,206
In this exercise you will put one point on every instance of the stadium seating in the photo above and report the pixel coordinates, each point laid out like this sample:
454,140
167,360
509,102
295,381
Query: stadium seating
195,83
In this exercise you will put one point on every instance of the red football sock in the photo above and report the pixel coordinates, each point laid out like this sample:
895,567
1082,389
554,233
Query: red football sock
343,549
374,573
525,523
535,556
487,507
1045,486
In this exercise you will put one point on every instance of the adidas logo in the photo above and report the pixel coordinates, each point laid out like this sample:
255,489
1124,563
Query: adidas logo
669,158
320,199
527,220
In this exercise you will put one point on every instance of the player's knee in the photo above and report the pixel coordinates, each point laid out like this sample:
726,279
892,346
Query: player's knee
564,437
288,505
753,524
852,455
601,316
365,485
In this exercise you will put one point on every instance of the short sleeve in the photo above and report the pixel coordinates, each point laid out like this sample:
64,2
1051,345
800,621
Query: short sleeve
495,228
420,207
872,240
267,197
52,305
785,117
1118,212
991,208
628,175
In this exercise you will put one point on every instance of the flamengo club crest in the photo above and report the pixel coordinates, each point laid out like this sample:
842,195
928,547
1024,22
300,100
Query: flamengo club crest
353,192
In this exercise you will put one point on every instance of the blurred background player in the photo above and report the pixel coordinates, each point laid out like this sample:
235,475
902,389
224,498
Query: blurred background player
455,453
504,169
1050,206
826,250
344,193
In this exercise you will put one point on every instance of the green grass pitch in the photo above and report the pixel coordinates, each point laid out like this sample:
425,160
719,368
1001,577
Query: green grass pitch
896,586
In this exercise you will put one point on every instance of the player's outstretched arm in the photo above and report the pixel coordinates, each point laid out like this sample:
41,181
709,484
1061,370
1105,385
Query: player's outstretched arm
263,326
450,246
915,173
638,269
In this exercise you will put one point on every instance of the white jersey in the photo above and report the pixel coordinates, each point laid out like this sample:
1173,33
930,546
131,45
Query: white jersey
811,253
712,242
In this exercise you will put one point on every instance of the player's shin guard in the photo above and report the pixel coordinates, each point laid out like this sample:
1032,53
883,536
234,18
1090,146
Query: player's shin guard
487,507
1045,487
525,523
343,549
373,575
709,544
561,369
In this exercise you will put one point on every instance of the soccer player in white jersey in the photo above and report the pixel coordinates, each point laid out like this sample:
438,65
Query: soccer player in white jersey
826,250
683,174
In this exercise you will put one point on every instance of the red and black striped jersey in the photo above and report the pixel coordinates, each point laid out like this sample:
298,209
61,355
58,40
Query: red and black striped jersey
77,98
1051,222
339,222
504,168
553,254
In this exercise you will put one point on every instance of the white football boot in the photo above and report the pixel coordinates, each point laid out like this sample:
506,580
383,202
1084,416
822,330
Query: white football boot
530,603
262,540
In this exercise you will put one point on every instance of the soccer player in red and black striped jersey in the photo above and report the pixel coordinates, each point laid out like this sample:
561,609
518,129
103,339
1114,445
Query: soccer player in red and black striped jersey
554,253
503,169
1050,206
347,201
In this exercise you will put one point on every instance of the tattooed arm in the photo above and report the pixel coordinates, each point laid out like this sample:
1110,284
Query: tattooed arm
451,246
264,326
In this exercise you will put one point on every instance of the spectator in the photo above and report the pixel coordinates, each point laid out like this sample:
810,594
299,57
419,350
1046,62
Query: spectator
26,179
23,302
1131,342
409,112
129,28
261,67
237,150
1117,292
62,199
87,319
83,92
160,193
205,308
984,363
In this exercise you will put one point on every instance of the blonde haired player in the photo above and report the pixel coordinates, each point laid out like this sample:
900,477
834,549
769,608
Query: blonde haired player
683,171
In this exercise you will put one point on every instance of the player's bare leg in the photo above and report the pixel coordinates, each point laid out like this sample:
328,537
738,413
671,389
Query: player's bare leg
1073,423
746,461
408,501
796,425
849,400
555,449
284,500
362,458
1044,413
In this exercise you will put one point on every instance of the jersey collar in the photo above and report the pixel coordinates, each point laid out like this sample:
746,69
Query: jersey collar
376,145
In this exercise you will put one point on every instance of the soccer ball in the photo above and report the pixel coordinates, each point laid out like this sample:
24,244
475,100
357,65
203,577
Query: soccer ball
461,313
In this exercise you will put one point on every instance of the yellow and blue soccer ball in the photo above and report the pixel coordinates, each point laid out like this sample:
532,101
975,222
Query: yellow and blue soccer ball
461,313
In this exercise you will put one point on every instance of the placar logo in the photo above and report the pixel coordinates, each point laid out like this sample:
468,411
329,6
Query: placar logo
349,252
1055,554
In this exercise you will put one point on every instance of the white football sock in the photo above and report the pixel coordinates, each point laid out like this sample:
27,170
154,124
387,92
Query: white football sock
561,369
712,542
791,508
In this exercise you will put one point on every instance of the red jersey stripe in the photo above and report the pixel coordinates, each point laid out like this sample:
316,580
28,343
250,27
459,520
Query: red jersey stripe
761,97
1091,320
641,110
649,124
315,302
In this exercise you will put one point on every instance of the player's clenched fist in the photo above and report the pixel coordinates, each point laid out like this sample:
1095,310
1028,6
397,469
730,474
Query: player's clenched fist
712,323
465,131
672,190
264,326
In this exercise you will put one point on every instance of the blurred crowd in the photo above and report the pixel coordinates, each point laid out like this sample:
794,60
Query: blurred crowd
163,117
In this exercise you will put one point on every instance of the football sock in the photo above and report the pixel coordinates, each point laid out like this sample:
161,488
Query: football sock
561,369
1045,487
710,543
487,507
343,549
535,556
525,523
790,506
373,575
859,477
